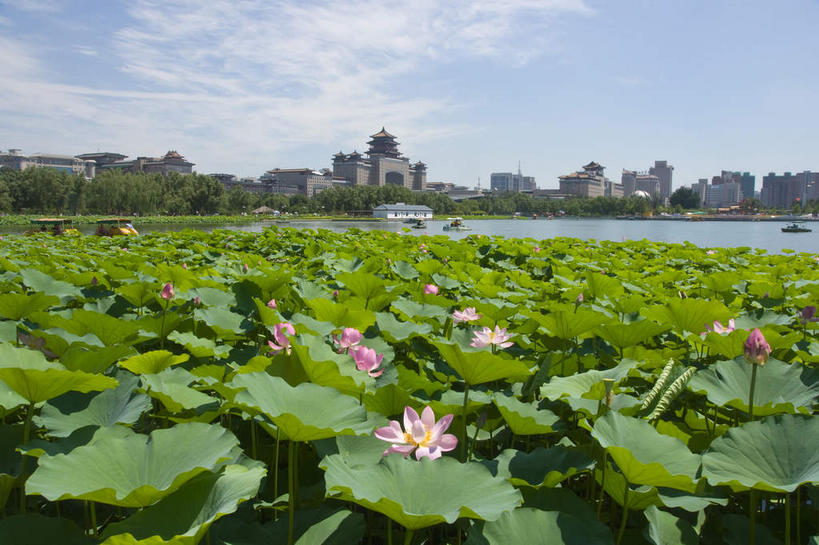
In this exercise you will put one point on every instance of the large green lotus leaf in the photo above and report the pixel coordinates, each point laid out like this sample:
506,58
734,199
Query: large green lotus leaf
621,335
776,454
728,346
171,387
404,270
364,285
341,315
16,306
445,282
780,388
120,405
108,329
601,285
420,493
395,330
225,323
323,366
323,526
183,517
133,470
645,456
688,315
666,529
199,347
9,399
480,366
58,341
542,467
35,529
452,402
152,362
303,413
578,384
413,309
10,460
211,297
568,324
35,379
526,418
536,527
557,499
41,282
302,323
388,400
138,294
95,360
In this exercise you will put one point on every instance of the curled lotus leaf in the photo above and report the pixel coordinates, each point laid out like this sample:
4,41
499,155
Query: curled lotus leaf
152,362
410,491
133,470
580,383
526,418
536,527
777,454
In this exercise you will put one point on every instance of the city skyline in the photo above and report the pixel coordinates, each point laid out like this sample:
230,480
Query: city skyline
470,87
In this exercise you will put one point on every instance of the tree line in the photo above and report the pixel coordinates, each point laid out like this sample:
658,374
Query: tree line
46,191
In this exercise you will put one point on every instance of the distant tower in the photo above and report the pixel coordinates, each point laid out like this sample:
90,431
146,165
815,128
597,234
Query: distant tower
663,171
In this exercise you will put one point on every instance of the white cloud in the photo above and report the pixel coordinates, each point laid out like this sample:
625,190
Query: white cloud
231,82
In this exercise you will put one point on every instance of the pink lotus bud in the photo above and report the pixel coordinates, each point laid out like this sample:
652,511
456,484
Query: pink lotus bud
537,249
431,289
197,301
244,267
271,303
335,294
167,292
757,348
185,266
578,299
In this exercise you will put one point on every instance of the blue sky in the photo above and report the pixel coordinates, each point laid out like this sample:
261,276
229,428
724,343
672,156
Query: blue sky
469,87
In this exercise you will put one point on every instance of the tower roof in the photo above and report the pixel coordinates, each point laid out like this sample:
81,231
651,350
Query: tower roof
382,134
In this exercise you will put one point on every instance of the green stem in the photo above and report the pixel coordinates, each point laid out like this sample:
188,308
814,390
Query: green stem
389,531
162,327
408,537
751,394
24,458
798,517
253,437
624,517
787,519
463,436
291,488
94,518
276,475
602,485
752,517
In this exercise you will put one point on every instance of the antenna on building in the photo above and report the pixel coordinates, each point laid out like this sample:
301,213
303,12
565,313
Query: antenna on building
479,183
519,174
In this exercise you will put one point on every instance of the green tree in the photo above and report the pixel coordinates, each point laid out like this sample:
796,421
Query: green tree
686,198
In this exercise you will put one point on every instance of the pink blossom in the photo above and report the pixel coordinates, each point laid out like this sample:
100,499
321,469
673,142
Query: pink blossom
167,292
578,299
757,348
421,434
537,249
466,315
197,301
185,266
244,267
283,341
335,294
719,329
710,252
486,336
350,337
367,360
431,289
271,303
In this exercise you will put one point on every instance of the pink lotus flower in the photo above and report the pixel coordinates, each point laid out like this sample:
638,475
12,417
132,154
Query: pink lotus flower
271,303
367,360
350,337
486,337
283,341
197,301
167,292
335,294
431,289
719,329
421,434
710,252
244,267
757,348
466,315
185,266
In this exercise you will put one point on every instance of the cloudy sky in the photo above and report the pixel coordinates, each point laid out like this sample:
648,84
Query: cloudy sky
469,87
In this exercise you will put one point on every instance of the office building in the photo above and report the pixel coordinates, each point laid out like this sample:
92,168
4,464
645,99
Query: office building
508,181
170,162
782,191
591,182
15,160
664,173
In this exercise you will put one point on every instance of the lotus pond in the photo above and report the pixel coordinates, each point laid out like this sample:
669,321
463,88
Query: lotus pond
313,387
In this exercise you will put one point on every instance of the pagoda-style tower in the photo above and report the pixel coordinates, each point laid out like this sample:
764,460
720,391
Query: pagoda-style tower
383,144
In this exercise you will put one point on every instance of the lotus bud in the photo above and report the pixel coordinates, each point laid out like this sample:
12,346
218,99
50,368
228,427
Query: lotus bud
431,289
609,384
335,294
197,301
579,299
167,292
244,267
185,266
271,303
807,314
757,348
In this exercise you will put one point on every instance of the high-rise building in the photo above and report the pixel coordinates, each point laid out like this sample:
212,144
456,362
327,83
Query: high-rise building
629,181
664,172
785,190
508,181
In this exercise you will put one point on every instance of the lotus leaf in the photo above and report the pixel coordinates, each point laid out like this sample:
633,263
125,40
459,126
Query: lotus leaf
325,525
644,456
341,315
622,335
688,315
321,365
540,468
16,306
779,388
133,470
198,346
526,418
225,323
736,531
409,491
183,517
777,454
404,270
480,366
41,282
35,379
666,529
580,383
152,362
10,438
305,412
535,527
171,388
34,529
396,330
98,360
569,324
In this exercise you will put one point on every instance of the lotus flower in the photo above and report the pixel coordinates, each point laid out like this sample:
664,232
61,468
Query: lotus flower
244,267
283,341
578,299
710,252
335,294
757,348
431,289
167,292
486,337
271,304
350,337
367,360
185,266
807,315
537,249
719,329
466,315
421,434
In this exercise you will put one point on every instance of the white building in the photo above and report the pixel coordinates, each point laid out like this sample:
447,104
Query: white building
401,211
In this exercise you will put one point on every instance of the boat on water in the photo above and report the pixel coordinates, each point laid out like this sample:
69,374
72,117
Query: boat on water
54,226
456,224
419,224
113,227
796,228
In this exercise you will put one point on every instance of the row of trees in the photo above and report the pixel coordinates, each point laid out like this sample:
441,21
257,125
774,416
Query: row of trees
44,191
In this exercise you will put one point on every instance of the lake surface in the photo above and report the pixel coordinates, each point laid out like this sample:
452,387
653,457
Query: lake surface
765,235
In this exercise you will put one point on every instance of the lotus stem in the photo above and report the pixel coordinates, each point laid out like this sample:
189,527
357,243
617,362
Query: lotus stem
162,327
787,518
602,484
389,531
463,437
291,488
798,517
253,437
276,474
624,518
752,517
24,459
408,537
751,393
94,518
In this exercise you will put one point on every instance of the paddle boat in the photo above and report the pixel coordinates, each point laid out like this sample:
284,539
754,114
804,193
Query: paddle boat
796,227
111,227
55,226
456,224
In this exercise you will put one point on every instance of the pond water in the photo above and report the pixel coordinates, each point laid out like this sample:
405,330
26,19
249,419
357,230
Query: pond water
765,235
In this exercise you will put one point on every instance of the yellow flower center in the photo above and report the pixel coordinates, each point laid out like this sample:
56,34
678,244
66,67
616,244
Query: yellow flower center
408,438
